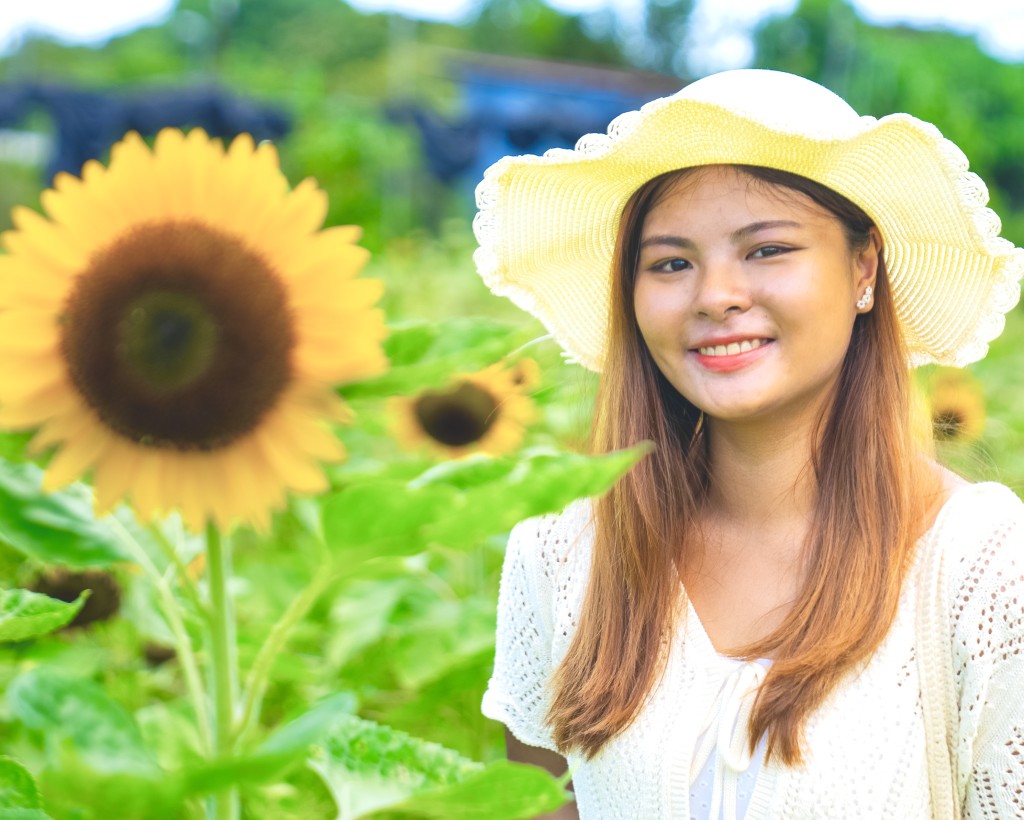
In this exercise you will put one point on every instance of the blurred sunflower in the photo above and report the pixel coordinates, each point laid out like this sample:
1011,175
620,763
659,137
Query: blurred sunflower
482,412
176,325
956,404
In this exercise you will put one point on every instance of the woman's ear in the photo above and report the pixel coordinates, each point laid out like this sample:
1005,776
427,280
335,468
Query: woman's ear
865,262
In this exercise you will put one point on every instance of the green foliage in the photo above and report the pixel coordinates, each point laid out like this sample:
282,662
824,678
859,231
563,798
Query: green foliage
68,708
53,527
19,795
459,505
25,614
375,771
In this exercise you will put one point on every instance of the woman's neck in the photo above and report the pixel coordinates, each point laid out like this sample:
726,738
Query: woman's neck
759,477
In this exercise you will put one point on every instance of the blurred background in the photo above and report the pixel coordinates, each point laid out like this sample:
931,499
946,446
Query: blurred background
396,108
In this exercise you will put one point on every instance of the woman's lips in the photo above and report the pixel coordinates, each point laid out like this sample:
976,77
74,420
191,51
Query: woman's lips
723,358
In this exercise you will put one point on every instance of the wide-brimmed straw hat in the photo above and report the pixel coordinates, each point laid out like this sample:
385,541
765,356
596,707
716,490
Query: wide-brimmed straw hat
547,224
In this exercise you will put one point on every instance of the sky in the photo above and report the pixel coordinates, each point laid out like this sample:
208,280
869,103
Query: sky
721,24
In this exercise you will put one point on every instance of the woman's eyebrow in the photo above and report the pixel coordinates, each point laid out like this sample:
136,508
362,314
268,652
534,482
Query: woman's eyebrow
668,240
673,241
754,227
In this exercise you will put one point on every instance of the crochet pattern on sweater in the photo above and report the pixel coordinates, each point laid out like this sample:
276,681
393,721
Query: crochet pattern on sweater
864,747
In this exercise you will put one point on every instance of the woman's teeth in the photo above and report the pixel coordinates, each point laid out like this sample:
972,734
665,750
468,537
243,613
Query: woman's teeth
731,349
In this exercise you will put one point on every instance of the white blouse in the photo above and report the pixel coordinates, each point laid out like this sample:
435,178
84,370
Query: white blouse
864,747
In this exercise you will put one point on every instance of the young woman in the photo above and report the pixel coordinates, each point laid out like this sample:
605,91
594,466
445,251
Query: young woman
786,610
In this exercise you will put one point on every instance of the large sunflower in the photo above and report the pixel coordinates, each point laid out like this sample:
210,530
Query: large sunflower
482,412
175,324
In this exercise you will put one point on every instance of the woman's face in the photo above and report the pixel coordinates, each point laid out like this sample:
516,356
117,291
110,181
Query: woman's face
745,294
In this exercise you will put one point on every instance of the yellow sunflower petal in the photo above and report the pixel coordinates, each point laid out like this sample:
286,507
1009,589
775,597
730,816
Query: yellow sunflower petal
31,329
115,474
294,469
73,460
194,486
45,246
26,374
328,293
58,429
29,411
331,252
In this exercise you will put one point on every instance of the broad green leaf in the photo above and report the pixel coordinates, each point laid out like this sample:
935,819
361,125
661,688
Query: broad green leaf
362,615
443,636
464,473
537,484
76,710
288,745
381,518
501,791
369,767
17,787
425,355
56,528
74,789
461,505
25,614
307,729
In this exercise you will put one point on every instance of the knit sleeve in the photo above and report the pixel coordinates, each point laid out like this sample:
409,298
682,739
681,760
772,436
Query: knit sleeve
534,581
988,657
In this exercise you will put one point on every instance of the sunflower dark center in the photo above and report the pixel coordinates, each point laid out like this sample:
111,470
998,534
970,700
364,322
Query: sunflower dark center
178,336
948,425
457,417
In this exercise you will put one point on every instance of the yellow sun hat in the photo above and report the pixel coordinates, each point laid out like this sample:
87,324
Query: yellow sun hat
546,225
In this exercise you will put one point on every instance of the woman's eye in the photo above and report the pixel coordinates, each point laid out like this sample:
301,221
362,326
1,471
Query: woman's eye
767,251
671,265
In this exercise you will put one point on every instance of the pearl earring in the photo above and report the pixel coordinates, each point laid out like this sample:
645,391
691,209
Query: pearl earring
865,300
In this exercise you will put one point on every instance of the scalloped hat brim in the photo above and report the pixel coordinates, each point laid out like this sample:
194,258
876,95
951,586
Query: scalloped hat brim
547,224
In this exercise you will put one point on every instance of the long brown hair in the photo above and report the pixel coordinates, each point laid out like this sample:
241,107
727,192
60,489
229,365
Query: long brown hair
862,535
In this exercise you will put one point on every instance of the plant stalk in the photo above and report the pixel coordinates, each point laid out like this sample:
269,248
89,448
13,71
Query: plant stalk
222,659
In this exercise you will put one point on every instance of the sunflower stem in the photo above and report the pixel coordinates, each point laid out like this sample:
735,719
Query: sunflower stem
170,550
182,643
222,658
259,674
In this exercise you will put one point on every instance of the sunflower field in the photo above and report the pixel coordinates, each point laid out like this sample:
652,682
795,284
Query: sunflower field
255,480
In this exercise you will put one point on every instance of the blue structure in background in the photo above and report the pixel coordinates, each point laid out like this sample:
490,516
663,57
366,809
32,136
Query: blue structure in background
87,123
515,106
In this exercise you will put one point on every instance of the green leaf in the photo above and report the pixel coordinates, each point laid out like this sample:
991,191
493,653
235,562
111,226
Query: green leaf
443,636
461,504
425,355
17,787
307,729
74,789
288,745
56,528
382,518
25,614
369,767
501,791
537,484
76,710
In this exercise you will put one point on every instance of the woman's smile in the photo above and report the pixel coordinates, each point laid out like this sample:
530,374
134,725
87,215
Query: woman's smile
725,357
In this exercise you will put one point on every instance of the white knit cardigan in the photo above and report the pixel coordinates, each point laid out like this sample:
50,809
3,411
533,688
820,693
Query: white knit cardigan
865,750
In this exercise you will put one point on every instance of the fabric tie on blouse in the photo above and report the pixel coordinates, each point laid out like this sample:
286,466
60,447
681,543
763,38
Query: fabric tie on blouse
725,728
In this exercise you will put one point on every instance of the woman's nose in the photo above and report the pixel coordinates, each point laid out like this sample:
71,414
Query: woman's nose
722,288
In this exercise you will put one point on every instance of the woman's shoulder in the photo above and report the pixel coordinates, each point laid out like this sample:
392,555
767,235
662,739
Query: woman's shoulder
979,518
979,535
555,539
